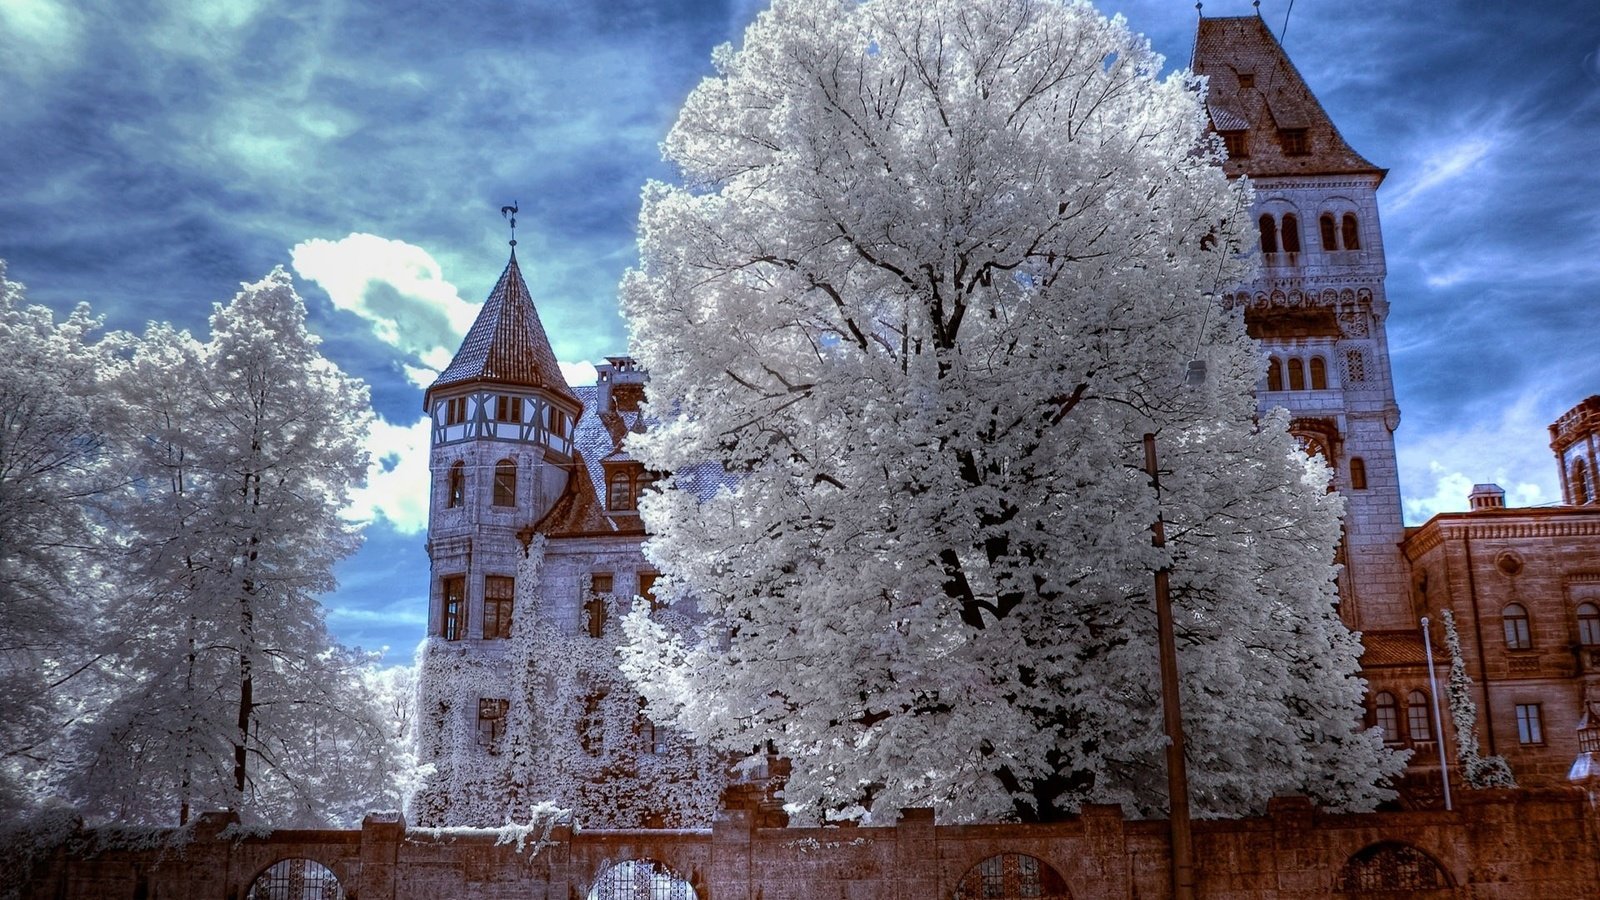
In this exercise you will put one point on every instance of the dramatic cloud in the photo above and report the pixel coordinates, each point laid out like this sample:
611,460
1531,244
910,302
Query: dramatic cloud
396,491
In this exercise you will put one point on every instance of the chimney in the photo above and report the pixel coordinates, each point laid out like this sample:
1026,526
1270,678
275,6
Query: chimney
1487,496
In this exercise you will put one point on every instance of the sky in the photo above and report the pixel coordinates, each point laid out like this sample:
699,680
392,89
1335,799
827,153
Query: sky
154,154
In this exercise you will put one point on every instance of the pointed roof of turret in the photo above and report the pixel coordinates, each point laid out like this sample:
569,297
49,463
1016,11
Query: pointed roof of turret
506,344
1255,89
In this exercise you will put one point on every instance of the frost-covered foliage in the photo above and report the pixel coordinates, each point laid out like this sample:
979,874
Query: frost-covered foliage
1477,771
575,737
52,468
226,688
934,268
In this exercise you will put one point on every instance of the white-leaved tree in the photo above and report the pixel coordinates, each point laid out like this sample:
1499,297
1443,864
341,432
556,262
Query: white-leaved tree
933,269
228,690
53,466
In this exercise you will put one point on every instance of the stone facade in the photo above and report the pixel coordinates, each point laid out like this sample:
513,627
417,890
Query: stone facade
1496,844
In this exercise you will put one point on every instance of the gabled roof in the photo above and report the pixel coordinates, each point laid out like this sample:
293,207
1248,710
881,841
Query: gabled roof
1278,99
506,344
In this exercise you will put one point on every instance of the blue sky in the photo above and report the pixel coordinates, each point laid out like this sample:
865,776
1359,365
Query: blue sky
156,154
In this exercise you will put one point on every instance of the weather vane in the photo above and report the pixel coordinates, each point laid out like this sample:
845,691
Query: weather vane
510,212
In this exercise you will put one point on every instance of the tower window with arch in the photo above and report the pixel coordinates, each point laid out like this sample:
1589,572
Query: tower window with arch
1589,624
1358,473
1351,232
1012,876
1297,374
1330,232
1319,373
1580,483
1291,233
1419,721
456,485
1518,633
1269,234
1274,374
505,483
1386,715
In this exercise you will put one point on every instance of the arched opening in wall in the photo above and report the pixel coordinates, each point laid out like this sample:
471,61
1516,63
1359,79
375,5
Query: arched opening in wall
1274,374
1330,232
1358,473
456,491
1589,625
1319,374
1386,716
1291,233
505,483
1351,232
1297,375
1269,234
641,879
1391,866
1518,635
295,879
1580,483
1419,724
1012,876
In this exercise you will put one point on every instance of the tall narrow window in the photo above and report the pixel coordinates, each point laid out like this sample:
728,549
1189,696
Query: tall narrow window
1387,717
491,722
499,595
1274,374
1330,230
1358,473
600,585
456,485
647,589
1319,374
1588,625
1518,635
1291,233
619,492
455,410
558,422
1530,724
453,621
1352,233
1580,483
507,409
505,483
1269,234
1419,720
1297,375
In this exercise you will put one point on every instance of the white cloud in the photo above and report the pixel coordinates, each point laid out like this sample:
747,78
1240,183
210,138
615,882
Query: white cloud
1493,443
398,288
397,479
578,373
39,33
1441,167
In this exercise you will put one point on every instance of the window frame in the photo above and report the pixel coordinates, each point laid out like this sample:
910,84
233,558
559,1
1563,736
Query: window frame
1289,233
1350,231
628,498
453,607
1588,624
595,611
1329,228
1318,372
1274,373
1386,717
1297,374
1530,724
455,491
1517,626
1419,716
1268,226
504,494
492,711
499,598
1294,141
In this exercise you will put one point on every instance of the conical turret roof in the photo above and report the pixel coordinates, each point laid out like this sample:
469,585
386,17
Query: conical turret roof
506,344
1255,89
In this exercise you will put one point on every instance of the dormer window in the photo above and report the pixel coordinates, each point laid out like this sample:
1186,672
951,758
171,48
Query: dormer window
1236,144
1247,80
619,492
1294,141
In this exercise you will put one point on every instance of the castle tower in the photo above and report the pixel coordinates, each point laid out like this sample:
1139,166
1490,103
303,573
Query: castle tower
1575,440
1318,307
501,455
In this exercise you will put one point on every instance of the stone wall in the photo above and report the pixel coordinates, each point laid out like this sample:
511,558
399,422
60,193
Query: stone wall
1496,844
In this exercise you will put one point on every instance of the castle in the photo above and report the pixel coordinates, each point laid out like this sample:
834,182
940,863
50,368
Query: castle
536,545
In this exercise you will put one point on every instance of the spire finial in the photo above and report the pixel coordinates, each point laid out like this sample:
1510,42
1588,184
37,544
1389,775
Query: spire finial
510,212
1198,8
1257,5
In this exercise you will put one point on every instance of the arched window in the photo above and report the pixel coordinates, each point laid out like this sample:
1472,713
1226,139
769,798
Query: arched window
1588,625
456,485
1351,232
1269,234
453,608
1274,374
1515,618
1297,375
505,483
1390,866
619,492
1319,374
1291,233
296,879
1358,473
1419,721
1330,230
1386,715
641,878
1012,876
1580,483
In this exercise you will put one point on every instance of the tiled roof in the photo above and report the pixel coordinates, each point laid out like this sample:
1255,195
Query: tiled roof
1278,99
506,344
1396,648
